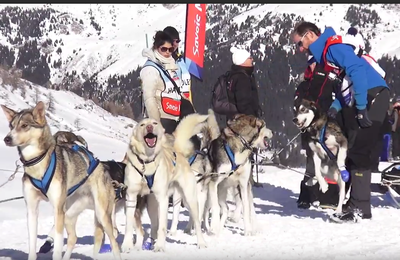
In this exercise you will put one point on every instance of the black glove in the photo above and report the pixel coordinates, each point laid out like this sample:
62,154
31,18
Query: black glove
363,119
332,113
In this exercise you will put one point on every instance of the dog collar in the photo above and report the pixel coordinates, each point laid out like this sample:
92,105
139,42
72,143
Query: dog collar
31,162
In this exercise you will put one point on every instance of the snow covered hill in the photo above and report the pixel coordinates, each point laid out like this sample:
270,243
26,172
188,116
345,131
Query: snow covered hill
95,50
107,40
66,111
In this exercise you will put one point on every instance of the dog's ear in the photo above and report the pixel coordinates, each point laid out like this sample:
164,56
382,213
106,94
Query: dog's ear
313,105
228,131
260,123
253,121
8,112
39,113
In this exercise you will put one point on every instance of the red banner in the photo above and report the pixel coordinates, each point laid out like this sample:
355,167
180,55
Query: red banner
195,38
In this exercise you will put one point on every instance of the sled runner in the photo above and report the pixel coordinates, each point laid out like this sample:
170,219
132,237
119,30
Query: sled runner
390,178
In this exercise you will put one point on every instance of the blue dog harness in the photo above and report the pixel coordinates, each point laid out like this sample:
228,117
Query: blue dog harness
321,141
44,184
150,178
231,157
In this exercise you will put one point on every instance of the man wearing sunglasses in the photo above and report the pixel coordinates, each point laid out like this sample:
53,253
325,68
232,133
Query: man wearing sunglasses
364,104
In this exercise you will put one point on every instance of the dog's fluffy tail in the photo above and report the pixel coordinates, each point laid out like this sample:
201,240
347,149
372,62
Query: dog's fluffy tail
210,131
212,125
189,126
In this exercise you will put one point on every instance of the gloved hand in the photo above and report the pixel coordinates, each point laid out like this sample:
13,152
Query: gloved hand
344,173
332,113
363,119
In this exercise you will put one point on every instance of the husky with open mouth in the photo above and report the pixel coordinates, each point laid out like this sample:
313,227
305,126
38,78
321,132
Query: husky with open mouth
156,163
328,144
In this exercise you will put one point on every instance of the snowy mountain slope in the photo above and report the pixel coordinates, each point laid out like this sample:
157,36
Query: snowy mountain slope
107,40
112,46
68,112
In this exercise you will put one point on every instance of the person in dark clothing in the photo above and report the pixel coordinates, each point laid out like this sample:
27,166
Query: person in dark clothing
396,131
244,88
317,87
363,98
244,91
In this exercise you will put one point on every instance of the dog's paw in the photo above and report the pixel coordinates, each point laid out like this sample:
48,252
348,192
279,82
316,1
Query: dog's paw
127,247
159,248
32,256
235,217
324,187
248,233
172,232
202,245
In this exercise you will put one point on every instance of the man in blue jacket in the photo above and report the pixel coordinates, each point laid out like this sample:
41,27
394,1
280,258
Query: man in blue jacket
364,102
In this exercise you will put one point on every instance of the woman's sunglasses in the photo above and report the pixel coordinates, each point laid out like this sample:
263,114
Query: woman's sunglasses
165,49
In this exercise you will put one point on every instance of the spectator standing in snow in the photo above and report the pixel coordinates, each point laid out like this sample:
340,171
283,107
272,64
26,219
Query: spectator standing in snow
185,88
174,34
244,90
318,87
162,79
396,130
364,103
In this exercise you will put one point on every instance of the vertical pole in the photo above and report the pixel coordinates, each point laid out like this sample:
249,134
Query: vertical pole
141,89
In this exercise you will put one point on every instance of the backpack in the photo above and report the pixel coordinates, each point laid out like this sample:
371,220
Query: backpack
221,96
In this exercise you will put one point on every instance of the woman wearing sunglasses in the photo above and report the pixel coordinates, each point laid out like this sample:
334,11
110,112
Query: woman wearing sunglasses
162,79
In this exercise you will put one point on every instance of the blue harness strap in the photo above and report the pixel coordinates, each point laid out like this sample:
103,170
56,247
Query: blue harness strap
321,141
231,157
93,163
44,184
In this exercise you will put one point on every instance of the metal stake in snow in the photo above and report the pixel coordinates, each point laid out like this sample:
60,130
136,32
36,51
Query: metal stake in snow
141,91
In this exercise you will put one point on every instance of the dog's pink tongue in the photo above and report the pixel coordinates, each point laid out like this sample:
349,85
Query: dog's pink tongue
151,141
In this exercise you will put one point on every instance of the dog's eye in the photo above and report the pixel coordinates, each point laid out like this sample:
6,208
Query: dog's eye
24,126
302,109
155,123
141,124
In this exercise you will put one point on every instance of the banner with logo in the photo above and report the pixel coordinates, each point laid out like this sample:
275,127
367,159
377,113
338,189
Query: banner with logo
195,38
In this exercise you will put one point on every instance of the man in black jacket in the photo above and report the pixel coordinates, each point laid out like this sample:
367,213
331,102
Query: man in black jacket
319,88
244,90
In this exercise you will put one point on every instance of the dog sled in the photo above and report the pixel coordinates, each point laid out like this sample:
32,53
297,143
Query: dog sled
390,182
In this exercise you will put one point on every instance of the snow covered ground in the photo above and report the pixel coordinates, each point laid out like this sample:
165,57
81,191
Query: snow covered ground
285,231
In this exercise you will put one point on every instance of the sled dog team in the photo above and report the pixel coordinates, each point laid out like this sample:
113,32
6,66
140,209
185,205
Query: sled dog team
61,169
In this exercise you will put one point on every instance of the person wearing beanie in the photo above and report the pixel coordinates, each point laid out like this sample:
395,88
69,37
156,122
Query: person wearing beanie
244,89
244,86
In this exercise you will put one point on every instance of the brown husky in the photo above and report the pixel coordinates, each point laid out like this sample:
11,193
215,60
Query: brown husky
71,179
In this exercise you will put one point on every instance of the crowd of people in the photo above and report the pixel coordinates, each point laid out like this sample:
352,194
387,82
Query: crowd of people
340,77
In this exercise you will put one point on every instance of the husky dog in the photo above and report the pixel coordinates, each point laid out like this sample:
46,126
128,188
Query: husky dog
71,179
201,166
158,162
231,167
328,144
115,169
